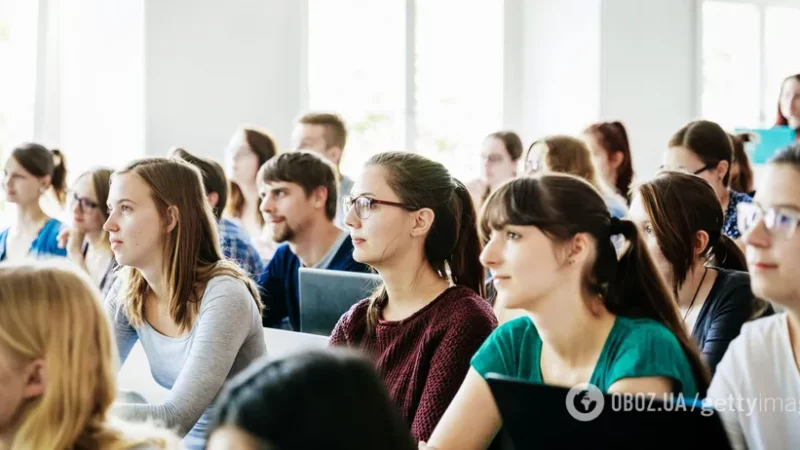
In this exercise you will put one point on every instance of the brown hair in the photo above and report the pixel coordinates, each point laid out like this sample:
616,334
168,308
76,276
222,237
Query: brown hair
780,119
214,179
101,181
41,162
789,155
513,146
566,154
613,138
192,254
452,241
264,147
307,169
679,206
562,206
743,180
708,141
335,131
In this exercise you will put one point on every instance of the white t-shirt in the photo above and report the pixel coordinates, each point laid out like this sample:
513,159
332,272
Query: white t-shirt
756,388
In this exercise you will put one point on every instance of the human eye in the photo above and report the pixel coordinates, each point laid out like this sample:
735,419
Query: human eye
512,236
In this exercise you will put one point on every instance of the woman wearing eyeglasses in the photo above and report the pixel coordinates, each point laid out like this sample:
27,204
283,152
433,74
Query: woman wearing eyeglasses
415,224
29,173
703,148
499,157
87,243
757,384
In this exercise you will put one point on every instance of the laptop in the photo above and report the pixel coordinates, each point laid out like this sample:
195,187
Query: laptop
327,294
767,142
536,416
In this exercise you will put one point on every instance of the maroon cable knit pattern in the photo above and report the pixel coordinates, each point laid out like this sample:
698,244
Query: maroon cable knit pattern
424,358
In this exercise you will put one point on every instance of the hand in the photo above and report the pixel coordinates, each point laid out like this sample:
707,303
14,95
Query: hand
424,446
74,243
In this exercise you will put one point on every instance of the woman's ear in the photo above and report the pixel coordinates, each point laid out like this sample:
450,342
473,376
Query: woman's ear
35,379
172,218
722,169
423,221
615,159
700,242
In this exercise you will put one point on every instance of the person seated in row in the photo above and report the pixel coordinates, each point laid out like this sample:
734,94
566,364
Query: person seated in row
332,400
86,242
416,226
703,148
196,314
298,199
680,219
611,154
235,242
762,365
499,159
57,357
566,154
29,173
325,134
592,318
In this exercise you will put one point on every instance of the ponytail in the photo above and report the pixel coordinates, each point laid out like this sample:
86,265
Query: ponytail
464,261
726,254
58,180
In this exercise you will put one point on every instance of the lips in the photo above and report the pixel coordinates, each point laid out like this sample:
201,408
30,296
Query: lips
115,243
357,241
762,266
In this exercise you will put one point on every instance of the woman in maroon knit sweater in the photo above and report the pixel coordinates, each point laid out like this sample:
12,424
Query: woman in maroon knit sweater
411,221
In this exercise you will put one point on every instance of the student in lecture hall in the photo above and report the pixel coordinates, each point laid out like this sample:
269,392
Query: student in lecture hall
57,363
332,400
566,154
28,174
235,242
197,315
741,170
86,242
680,219
499,157
788,113
247,151
762,365
326,134
298,192
591,318
703,148
611,153
416,226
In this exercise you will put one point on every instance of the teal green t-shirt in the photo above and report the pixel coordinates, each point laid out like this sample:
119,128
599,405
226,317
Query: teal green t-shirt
634,348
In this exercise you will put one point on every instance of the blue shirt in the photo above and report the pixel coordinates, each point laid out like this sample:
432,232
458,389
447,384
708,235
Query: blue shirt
237,247
730,226
280,282
45,245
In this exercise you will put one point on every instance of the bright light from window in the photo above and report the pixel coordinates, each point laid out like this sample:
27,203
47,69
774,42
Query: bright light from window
782,59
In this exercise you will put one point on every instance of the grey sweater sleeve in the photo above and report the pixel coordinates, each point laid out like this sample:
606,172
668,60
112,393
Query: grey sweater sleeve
222,326
124,334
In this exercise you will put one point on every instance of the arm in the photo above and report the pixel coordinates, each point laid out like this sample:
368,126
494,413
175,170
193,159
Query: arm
339,334
659,386
124,333
218,337
721,396
726,324
471,421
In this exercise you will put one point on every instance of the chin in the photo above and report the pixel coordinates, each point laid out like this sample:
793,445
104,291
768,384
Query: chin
363,257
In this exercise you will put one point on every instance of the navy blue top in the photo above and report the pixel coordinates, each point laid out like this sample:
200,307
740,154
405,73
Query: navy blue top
279,284
44,246
730,227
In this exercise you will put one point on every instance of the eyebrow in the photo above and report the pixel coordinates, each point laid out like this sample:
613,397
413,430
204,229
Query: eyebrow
125,200
781,205
363,194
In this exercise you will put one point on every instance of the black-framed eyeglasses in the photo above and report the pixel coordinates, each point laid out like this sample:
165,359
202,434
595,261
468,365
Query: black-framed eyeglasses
704,168
780,222
83,202
363,205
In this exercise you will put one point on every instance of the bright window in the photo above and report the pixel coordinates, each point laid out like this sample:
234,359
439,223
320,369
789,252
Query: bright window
430,82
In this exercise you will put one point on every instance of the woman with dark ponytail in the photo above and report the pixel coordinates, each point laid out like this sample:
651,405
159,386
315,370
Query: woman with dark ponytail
416,226
591,316
681,219
29,173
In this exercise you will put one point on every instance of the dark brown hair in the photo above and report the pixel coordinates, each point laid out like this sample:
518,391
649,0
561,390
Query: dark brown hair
743,180
264,147
101,182
511,142
679,206
562,206
41,162
307,169
452,241
335,131
780,119
708,141
213,177
613,138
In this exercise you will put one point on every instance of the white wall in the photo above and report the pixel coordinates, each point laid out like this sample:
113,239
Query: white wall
212,66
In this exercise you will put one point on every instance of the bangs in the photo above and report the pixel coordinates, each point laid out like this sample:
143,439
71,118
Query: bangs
520,202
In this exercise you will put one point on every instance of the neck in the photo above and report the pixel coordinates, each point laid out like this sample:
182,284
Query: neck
314,242
411,282
793,122
29,216
690,285
98,240
571,330
154,275
250,194
724,198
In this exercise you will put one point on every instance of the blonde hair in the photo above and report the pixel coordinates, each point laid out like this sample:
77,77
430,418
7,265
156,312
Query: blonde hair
192,253
51,311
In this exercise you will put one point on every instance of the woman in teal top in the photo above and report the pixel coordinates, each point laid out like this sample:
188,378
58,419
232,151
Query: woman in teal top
28,173
591,317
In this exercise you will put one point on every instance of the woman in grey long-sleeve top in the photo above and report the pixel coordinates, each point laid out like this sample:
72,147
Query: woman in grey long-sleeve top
197,315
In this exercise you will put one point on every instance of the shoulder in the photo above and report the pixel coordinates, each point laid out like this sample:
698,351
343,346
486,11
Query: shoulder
226,289
732,285
643,332
283,256
759,334
739,197
355,316
463,305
